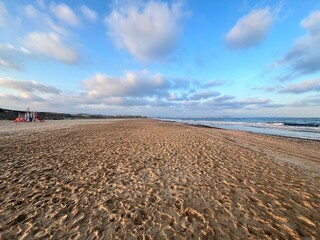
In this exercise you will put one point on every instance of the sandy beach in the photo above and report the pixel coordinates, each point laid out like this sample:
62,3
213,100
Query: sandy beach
146,179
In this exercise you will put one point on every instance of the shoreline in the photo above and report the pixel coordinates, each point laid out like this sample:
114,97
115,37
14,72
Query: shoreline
257,133
151,179
253,132
299,162
290,133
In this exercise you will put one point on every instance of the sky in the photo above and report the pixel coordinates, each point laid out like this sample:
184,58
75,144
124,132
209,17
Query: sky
160,58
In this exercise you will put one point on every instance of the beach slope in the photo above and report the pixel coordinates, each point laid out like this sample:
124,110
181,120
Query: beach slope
145,179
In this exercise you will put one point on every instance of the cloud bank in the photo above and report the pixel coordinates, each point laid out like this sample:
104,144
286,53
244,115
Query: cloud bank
302,87
27,86
132,84
203,95
137,91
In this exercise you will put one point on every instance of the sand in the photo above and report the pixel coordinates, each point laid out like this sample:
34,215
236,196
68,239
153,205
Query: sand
145,179
12,128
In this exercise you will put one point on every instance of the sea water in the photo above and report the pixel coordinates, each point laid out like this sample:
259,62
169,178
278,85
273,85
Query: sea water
308,128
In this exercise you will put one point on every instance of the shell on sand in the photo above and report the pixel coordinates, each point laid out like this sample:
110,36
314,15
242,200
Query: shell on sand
144,179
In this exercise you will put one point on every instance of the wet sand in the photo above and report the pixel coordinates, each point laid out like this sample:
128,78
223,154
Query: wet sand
145,179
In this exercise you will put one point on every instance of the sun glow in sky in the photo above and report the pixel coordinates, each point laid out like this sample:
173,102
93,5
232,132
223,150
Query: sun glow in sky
161,58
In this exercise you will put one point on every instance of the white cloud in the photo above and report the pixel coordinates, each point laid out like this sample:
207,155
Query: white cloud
143,85
250,30
149,31
11,57
49,97
88,13
140,92
65,14
21,99
36,45
312,22
204,95
46,22
9,64
51,45
258,101
302,87
229,102
132,84
304,56
27,86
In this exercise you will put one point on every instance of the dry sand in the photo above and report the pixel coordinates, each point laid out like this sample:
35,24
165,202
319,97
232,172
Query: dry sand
144,179
10,127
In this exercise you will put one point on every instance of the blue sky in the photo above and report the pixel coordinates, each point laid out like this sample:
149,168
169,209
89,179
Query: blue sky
161,58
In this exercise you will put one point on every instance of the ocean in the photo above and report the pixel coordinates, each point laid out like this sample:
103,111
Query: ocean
308,128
